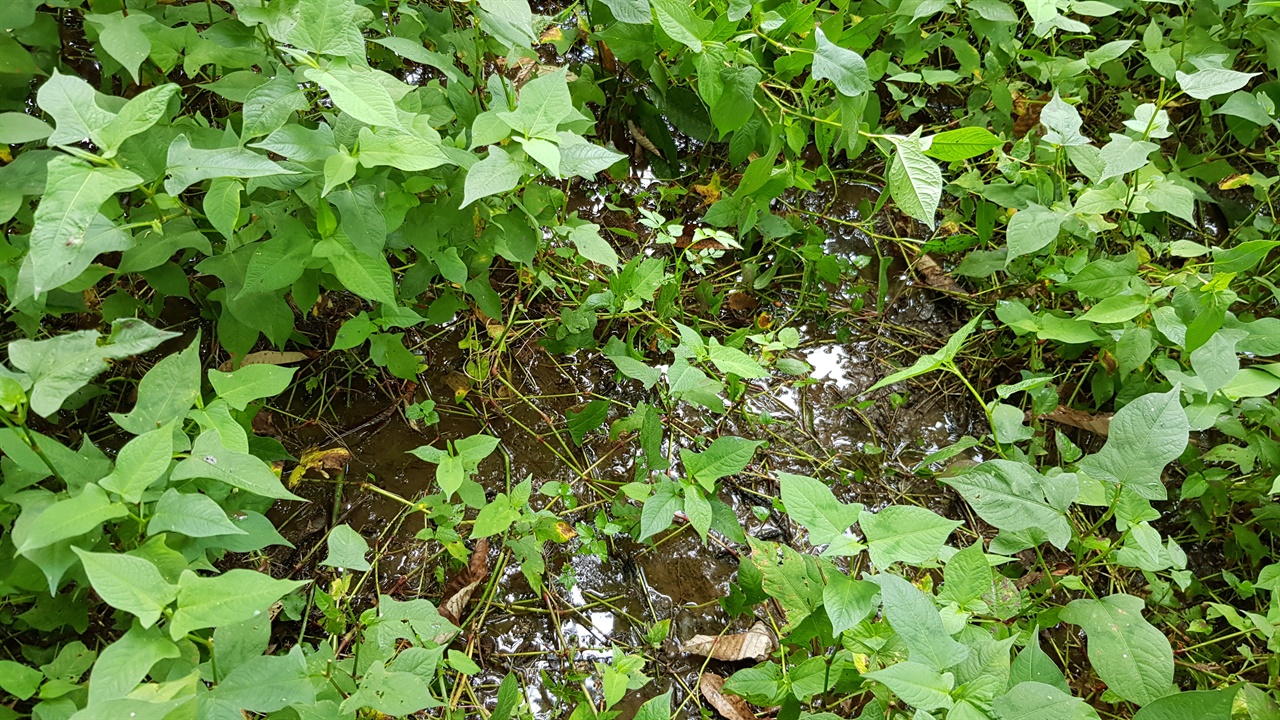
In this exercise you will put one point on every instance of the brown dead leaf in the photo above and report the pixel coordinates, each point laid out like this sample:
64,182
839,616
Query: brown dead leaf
1099,424
458,591
320,460
935,276
754,644
1028,120
741,302
730,706
264,357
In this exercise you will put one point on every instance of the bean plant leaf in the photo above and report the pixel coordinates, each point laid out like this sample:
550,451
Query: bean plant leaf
141,462
844,68
123,38
231,597
1207,83
812,504
1145,435
251,382
211,459
358,93
195,515
917,684
1037,701
495,174
1012,496
725,456
904,533
961,144
347,549
1133,658
128,583
189,165
1031,230
1196,705
915,619
68,518
17,128
678,20
847,601
915,181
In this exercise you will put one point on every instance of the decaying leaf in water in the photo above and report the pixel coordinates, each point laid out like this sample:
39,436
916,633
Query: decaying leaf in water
741,302
730,706
320,460
458,591
264,357
1099,424
933,274
754,644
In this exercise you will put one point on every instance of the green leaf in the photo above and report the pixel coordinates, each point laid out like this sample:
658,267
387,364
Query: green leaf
1034,665
269,106
847,601
636,370
369,277
591,417
251,382
590,245
142,461
195,515
1062,123
730,360
495,517
19,680
166,392
844,68
698,508
915,181
347,549
509,696
495,174
961,144
1037,701
17,128
915,619
678,20
231,597
812,504
1207,83
725,456
62,243
658,708
124,663
659,510
1201,705
928,363
584,159
128,583
1215,362
967,577
1124,155
918,685
636,12
413,50
188,165
1146,435
123,39
211,459
68,518
1132,657
267,683
544,103
392,147
1014,497
904,533
1032,229
326,27
358,93
222,205
72,103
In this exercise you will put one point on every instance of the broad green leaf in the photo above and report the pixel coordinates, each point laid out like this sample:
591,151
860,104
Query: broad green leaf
211,459
72,103
636,12
1032,229
698,509
326,27
269,106
915,619
795,582
495,518
961,144
812,504
222,205
844,68
368,277
732,360
347,549
1194,705
904,533
231,597
397,694
658,708
543,104
678,20
63,364
397,148
967,577
847,601
412,50
127,661
591,245
1012,496
1145,435
166,392
1034,665
1037,701
19,680
358,93
584,159
510,22
251,382
736,103
918,685
928,363
62,243
68,518
188,165
659,510
636,370
915,181
128,583
495,174
267,683
1207,83
1062,123
1124,155
509,695
17,128
1215,362
195,515
142,461
123,38
1133,658
276,263
725,456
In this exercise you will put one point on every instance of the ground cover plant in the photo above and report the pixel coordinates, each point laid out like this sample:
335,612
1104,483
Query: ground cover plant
227,217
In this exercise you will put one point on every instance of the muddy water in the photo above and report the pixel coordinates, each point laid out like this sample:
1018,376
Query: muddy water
594,604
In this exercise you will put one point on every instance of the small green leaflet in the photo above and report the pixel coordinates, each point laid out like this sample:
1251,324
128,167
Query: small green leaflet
347,549
1032,229
1145,435
725,456
1204,84
1012,496
918,685
933,361
1037,701
677,19
67,518
251,382
17,128
122,37
142,461
915,618
495,174
192,514
358,93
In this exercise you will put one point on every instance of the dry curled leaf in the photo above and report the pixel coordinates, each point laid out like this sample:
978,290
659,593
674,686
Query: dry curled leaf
741,302
730,706
933,274
1099,424
320,460
754,644
264,357
458,591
